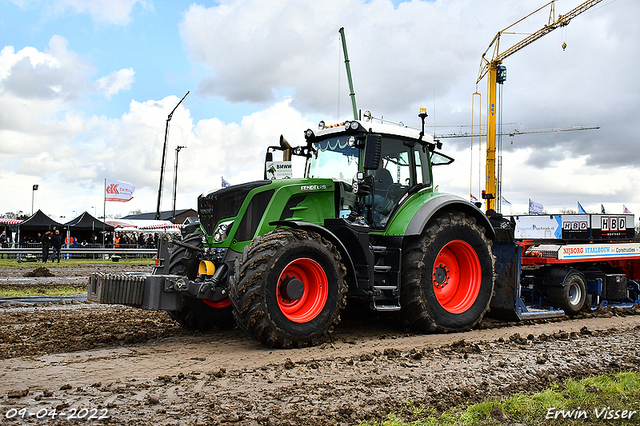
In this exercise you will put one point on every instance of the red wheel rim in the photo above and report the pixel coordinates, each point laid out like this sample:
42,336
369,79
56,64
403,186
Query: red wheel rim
456,277
314,296
219,304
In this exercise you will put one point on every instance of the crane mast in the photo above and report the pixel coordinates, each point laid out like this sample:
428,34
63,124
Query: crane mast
497,75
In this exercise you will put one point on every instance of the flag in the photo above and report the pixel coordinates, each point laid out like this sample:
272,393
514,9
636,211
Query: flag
504,201
581,209
626,210
602,208
534,208
225,183
118,191
472,198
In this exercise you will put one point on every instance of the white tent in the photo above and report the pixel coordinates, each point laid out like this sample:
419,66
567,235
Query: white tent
139,225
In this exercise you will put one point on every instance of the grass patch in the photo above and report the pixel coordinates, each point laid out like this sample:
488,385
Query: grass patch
591,401
64,263
35,291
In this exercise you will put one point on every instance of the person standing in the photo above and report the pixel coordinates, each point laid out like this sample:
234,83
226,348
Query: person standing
46,243
4,242
56,243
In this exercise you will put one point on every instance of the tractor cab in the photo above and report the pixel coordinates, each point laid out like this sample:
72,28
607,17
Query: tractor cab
375,166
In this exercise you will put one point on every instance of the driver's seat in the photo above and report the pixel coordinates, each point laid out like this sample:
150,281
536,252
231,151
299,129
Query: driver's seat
382,181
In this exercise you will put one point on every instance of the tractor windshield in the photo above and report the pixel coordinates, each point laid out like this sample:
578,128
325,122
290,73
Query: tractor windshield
333,158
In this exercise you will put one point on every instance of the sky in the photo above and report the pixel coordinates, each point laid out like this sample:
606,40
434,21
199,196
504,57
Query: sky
86,87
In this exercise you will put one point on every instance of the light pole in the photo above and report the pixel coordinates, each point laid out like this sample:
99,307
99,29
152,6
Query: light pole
175,182
164,154
33,193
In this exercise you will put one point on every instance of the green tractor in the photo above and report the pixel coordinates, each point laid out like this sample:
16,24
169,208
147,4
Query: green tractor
282,258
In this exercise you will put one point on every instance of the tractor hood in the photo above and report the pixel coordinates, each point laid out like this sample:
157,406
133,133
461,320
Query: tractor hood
222,203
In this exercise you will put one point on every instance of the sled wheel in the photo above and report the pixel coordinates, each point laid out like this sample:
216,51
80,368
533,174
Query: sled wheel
197,314
571,296
447,275
288,288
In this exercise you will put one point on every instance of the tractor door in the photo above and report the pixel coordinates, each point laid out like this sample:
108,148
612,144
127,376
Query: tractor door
404,164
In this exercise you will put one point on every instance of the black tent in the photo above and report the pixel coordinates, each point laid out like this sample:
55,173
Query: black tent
86,222
38,222
85,226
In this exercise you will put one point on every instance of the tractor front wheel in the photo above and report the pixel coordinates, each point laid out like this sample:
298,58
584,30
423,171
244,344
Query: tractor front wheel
288,288
447,275
196,314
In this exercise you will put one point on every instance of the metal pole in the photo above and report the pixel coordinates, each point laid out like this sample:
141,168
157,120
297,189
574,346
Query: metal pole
33,193
175,182
164,154
352,93
104,213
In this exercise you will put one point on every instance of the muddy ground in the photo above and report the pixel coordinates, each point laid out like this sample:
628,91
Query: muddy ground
140,368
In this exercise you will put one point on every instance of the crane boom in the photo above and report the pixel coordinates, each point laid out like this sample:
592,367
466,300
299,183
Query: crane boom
562,21
497,74
516,132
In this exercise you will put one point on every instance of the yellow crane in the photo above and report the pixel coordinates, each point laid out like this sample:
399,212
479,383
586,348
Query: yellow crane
497,75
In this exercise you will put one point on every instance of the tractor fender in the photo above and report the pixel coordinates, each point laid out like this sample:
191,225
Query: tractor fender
447,203
324,232
556,276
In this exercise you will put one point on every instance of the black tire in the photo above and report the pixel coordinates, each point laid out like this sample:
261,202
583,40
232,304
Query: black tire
195,314
571,296
261,304
447,275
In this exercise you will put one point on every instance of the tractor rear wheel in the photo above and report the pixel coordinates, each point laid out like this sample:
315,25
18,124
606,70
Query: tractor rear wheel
196,314
447,275
288,288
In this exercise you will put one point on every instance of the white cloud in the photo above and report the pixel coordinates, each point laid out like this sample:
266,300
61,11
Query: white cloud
115,12
112,12
57,74
425,54
129,148
255,50
115,82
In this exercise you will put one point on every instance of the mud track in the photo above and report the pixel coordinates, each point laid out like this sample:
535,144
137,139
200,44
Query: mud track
142,369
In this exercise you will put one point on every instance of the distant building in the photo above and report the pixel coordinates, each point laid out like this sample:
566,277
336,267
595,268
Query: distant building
180,216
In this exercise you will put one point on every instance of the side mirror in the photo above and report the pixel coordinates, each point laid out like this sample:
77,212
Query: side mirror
372,151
